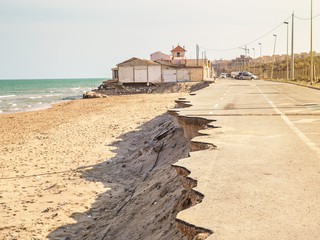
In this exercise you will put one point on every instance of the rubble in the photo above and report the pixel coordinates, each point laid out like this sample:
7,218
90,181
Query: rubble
111,87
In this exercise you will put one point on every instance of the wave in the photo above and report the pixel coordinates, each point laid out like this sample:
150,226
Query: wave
53,95
37,97
75,88
7,96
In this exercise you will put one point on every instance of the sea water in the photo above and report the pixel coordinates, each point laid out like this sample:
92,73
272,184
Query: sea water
36,94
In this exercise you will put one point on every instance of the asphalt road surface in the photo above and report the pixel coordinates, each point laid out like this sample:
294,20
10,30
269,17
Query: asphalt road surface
263,179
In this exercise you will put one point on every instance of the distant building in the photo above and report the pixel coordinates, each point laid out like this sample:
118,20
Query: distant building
163,68
159,56
221,66
241,62
178,55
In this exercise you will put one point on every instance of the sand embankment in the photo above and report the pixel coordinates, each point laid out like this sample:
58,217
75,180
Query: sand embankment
90,169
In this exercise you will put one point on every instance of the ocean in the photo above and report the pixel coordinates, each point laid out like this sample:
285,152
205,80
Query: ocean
36,94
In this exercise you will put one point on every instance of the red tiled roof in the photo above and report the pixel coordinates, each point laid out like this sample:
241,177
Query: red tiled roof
178,49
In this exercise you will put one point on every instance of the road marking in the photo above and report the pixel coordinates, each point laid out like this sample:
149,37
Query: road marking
293,127
221,99
215,106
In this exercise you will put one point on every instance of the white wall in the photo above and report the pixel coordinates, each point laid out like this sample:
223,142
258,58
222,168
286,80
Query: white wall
154,73
169,75
183,75
140,74
126,74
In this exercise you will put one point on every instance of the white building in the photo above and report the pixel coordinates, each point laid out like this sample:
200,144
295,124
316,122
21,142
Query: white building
138,71
163,68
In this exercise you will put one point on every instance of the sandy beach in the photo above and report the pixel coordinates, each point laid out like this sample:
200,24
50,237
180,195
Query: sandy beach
68,172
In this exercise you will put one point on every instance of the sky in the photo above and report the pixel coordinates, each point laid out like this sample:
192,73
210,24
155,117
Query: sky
86,38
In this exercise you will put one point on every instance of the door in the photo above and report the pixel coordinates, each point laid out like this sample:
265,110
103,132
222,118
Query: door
140,75
183,75
169,75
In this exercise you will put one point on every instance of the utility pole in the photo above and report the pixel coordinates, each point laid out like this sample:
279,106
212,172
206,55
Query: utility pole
287,23
311,49
274,51
292,51
260,60
253,60
197,54
246,50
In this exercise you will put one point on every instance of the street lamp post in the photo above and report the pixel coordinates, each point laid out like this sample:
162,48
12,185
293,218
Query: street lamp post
274,50
292,47
311,49
253,61
287,23
260,59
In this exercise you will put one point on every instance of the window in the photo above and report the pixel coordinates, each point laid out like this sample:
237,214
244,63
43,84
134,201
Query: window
178,54
115,74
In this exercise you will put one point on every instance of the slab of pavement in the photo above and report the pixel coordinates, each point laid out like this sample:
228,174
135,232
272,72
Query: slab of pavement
263,179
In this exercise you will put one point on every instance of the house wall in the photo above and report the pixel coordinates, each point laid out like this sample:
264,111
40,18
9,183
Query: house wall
140,74
178,61
154,74
126,74
183,75
197,63
142,71
139,70
169,75
178,54
158,56
196,74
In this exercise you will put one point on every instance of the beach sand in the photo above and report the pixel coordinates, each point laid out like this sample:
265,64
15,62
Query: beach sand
88,169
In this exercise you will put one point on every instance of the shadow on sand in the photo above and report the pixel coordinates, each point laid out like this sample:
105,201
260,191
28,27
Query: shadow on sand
144,191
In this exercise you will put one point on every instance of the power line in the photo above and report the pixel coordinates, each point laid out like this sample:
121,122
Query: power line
257,39
307,18
281,24
234,48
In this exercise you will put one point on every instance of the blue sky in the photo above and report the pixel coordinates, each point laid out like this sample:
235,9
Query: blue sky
82,38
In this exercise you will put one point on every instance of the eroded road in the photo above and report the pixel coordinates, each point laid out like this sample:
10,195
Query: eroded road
263,179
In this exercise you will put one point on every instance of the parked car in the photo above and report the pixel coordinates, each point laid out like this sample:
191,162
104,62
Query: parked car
238,75
246,76
223,75
234,74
